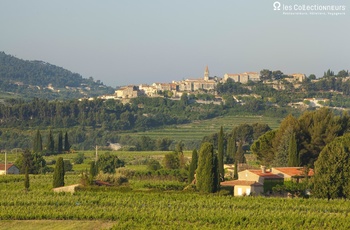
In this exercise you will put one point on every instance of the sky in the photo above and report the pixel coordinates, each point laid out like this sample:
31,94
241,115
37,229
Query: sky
122,42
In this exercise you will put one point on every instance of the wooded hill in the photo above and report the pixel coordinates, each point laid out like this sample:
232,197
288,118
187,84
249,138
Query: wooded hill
28,79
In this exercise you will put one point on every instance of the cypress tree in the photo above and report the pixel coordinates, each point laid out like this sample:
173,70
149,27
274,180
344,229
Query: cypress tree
93,170
50,142
231,150
58,176
193,166
60,142
216,174
26,179
66,143
240,153
37,144
235,173
293,158
207,171
221,154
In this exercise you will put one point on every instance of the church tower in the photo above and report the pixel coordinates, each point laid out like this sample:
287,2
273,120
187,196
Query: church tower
206,74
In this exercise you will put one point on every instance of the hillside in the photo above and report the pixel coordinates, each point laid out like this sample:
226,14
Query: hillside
27,79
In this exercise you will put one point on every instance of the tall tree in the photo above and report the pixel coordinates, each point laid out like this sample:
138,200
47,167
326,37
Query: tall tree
332,170
231,149
171,161
221,153
108,163
293,156
37,144
60,142
50,146
235,173
240,153
93,171
58,176
66,143
282,150
207,171
193,166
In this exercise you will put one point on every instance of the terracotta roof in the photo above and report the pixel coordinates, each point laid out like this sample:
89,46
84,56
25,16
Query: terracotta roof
294,171
240,182
2,166
265,175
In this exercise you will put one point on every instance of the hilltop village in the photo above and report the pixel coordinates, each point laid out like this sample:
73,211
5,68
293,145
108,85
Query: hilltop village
205,84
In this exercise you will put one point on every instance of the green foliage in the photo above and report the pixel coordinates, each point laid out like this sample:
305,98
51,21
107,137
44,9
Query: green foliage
207,170
171,161
93,171
60,142
231,150
193,166
34,161
293,188
153,165
312,130
37,73
318,128
162,144
67,165
79,159
26,179
240,153
270,184
158,210
221,153
66,142
107,163
58,176
263,148
332,170
114,179
50,146
37,144
293,156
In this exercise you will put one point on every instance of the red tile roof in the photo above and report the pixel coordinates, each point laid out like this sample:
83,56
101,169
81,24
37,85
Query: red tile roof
2,166
294,171
240,182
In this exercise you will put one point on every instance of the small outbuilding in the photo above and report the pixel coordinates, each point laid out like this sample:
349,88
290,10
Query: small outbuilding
8,169
244,188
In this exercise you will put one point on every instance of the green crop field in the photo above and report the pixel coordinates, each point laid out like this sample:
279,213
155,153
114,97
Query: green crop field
195,131
121,208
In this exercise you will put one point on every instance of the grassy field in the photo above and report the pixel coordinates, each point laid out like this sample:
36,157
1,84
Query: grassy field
197,130
132,208
55,224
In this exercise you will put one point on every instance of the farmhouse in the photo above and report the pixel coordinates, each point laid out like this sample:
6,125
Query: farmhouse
9,169
253,181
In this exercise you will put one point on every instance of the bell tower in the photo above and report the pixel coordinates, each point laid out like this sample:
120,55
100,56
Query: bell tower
206,74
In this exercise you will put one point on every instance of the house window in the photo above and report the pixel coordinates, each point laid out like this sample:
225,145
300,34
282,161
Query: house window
239,191
247,191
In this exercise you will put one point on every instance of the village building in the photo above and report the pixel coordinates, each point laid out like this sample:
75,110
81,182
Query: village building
148,90
8,169
242,77
206,83
126,92
252,181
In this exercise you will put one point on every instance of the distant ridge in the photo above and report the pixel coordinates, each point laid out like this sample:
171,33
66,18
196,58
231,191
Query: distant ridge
42,79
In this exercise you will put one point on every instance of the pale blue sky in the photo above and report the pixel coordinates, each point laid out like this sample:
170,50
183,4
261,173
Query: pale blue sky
131,42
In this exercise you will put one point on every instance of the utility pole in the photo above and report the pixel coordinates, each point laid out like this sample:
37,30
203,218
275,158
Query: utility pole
96,157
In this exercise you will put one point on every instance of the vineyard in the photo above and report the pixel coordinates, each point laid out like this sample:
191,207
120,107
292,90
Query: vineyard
128,207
